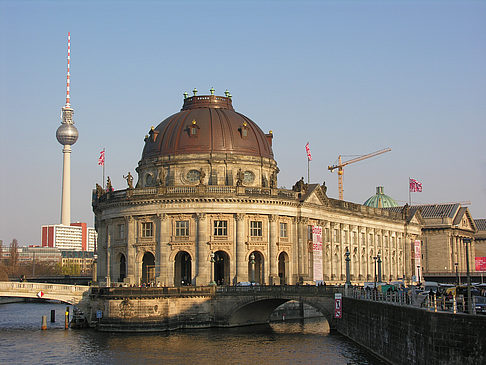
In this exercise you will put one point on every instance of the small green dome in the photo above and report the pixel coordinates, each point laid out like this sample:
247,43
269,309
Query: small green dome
380,200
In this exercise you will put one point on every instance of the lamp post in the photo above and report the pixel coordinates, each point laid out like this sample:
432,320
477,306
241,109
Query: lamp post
457,274
348,279
418,274
379,268
374,258
212,269
252,262
467,241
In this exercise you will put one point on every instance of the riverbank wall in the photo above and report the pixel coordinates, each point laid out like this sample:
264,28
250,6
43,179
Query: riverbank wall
405,335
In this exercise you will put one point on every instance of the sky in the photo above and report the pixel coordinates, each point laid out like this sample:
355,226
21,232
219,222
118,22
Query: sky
349,77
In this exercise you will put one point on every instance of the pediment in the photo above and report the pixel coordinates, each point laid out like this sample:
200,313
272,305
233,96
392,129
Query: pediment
315,196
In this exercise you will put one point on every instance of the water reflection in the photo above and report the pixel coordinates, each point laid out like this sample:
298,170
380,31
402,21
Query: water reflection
278,343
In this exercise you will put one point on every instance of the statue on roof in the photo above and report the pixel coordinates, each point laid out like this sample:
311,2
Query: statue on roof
109,187
129,179
239,178
299,186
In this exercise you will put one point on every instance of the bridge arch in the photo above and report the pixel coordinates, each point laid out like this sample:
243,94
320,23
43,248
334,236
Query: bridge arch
253,310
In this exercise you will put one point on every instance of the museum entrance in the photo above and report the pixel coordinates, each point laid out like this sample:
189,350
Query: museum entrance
283,268
123,268
182,269
221,268
255,268
148,268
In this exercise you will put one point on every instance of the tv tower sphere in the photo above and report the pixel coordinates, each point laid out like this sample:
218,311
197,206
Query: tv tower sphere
67,134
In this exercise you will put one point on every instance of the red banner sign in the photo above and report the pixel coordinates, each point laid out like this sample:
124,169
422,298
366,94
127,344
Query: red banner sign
480,263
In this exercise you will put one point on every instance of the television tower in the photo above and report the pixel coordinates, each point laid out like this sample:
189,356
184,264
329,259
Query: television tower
67,135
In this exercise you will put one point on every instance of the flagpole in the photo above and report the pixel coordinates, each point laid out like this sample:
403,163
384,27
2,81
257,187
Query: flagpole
104,159
409,193
308,174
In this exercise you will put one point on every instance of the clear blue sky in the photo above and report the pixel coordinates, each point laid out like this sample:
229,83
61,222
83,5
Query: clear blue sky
350,77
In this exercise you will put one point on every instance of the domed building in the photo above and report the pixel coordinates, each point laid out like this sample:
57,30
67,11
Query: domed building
380,200
206,209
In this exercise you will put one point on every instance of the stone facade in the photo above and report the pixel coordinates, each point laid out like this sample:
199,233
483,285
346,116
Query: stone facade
199,215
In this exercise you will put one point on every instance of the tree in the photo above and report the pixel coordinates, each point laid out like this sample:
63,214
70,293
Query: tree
14,253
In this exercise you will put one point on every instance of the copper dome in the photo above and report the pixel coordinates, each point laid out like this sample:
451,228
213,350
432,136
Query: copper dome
207,124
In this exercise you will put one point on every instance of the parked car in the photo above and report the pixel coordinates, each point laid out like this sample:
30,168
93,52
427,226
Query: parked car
480,304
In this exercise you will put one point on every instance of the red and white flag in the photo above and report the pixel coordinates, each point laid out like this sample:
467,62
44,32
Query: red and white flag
307,149
101,159
415,186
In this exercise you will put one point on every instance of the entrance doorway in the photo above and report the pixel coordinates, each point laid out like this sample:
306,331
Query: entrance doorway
221,268
123,268
148,268
283,268
255,270
182,269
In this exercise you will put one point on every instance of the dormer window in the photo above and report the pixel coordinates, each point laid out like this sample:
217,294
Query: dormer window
193,129
244,130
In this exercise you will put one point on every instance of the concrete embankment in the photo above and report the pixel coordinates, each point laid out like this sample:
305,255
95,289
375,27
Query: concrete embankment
407,335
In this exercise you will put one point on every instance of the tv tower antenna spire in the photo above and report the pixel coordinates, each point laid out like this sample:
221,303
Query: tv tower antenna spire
67,135
68,81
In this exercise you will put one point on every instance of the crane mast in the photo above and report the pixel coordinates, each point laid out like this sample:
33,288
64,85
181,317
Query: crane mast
341,164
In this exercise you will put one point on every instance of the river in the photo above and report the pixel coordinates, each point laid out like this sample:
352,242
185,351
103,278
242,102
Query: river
309,342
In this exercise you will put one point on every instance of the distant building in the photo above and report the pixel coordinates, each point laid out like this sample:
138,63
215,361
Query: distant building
445,229
81,259
77,236
480,242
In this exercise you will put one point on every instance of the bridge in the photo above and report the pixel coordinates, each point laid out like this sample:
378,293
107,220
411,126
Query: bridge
168,308
156,309
71,294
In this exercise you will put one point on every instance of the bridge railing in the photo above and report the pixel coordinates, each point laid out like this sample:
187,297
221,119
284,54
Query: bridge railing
140,292
11,286
279,289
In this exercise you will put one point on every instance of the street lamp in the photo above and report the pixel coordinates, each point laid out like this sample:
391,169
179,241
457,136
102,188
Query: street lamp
212,269
418,274
348,280
457,274
374,258
467,241
379,268
252,262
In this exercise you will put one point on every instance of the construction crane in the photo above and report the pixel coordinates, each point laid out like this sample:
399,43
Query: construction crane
341,165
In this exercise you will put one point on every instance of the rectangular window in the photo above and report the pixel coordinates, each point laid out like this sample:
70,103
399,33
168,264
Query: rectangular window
335,236
283,230
309,233
220,228
256,229
147,229
120,231
355,238
327,235
182,229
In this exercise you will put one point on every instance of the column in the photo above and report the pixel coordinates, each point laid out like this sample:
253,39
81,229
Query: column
203,261
241,262
164,250
108,253
131,254
295,250
272,248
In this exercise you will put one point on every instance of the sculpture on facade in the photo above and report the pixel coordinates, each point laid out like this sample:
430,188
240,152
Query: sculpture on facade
239,178
109,187
299,186
161,177
202,175
129,179
99,191
273,180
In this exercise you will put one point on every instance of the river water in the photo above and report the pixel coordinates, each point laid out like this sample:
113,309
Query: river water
309,342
